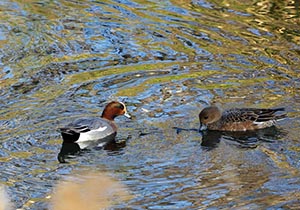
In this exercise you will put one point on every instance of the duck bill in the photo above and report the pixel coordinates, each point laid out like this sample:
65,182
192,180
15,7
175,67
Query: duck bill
127,115
202,127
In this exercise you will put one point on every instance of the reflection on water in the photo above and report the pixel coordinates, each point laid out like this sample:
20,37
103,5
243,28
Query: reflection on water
248,139
61,59
66,150
242,139
71,150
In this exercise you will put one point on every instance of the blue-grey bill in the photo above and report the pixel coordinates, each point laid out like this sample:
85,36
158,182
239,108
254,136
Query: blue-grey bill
127,115
202,127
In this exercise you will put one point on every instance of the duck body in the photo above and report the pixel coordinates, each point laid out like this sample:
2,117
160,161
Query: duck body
239,119
94,131
89,132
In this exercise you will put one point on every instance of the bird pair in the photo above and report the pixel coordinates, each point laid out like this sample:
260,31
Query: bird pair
88,132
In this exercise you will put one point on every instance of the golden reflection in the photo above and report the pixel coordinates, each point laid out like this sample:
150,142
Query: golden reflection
280,160
6,82
230,83
42,8
21,154
5,159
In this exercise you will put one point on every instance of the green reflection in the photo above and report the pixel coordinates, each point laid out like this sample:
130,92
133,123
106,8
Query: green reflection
133,91
89,76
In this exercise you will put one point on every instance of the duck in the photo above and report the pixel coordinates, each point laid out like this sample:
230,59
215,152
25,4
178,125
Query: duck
239,119
94,131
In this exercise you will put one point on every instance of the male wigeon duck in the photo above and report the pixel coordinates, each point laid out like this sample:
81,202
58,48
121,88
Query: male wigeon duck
87,132
243,119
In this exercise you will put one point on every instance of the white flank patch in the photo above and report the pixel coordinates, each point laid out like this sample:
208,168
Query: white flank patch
265,124
91,135
84,144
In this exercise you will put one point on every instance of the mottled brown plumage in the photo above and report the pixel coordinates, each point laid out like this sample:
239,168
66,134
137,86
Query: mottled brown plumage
243,119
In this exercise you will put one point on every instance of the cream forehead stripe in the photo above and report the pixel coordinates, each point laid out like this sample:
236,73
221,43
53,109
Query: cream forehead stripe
125,111
124,106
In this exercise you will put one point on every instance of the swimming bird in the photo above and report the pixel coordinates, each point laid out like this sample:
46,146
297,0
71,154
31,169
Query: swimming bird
239,119
94,131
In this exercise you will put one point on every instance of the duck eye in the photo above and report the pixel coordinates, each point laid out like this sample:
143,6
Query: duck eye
206,117
119,106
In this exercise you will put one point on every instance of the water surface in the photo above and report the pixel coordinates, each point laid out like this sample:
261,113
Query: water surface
62,60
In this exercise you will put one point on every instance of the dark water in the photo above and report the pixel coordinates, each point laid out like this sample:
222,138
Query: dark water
61,60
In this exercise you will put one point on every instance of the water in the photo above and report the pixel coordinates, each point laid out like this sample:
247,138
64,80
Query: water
166,59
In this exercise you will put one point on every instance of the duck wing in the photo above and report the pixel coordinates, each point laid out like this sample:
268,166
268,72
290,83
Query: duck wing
253,114
84,125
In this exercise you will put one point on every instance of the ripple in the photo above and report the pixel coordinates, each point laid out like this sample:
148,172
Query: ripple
166,60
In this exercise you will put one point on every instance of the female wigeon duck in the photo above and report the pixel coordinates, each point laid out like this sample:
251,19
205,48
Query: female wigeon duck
87,132
244,119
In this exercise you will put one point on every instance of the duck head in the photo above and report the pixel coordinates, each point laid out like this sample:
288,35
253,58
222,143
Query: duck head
114,109
209,115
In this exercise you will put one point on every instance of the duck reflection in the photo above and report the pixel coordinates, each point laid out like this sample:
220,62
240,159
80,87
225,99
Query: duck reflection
242,139
67,151
71,150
